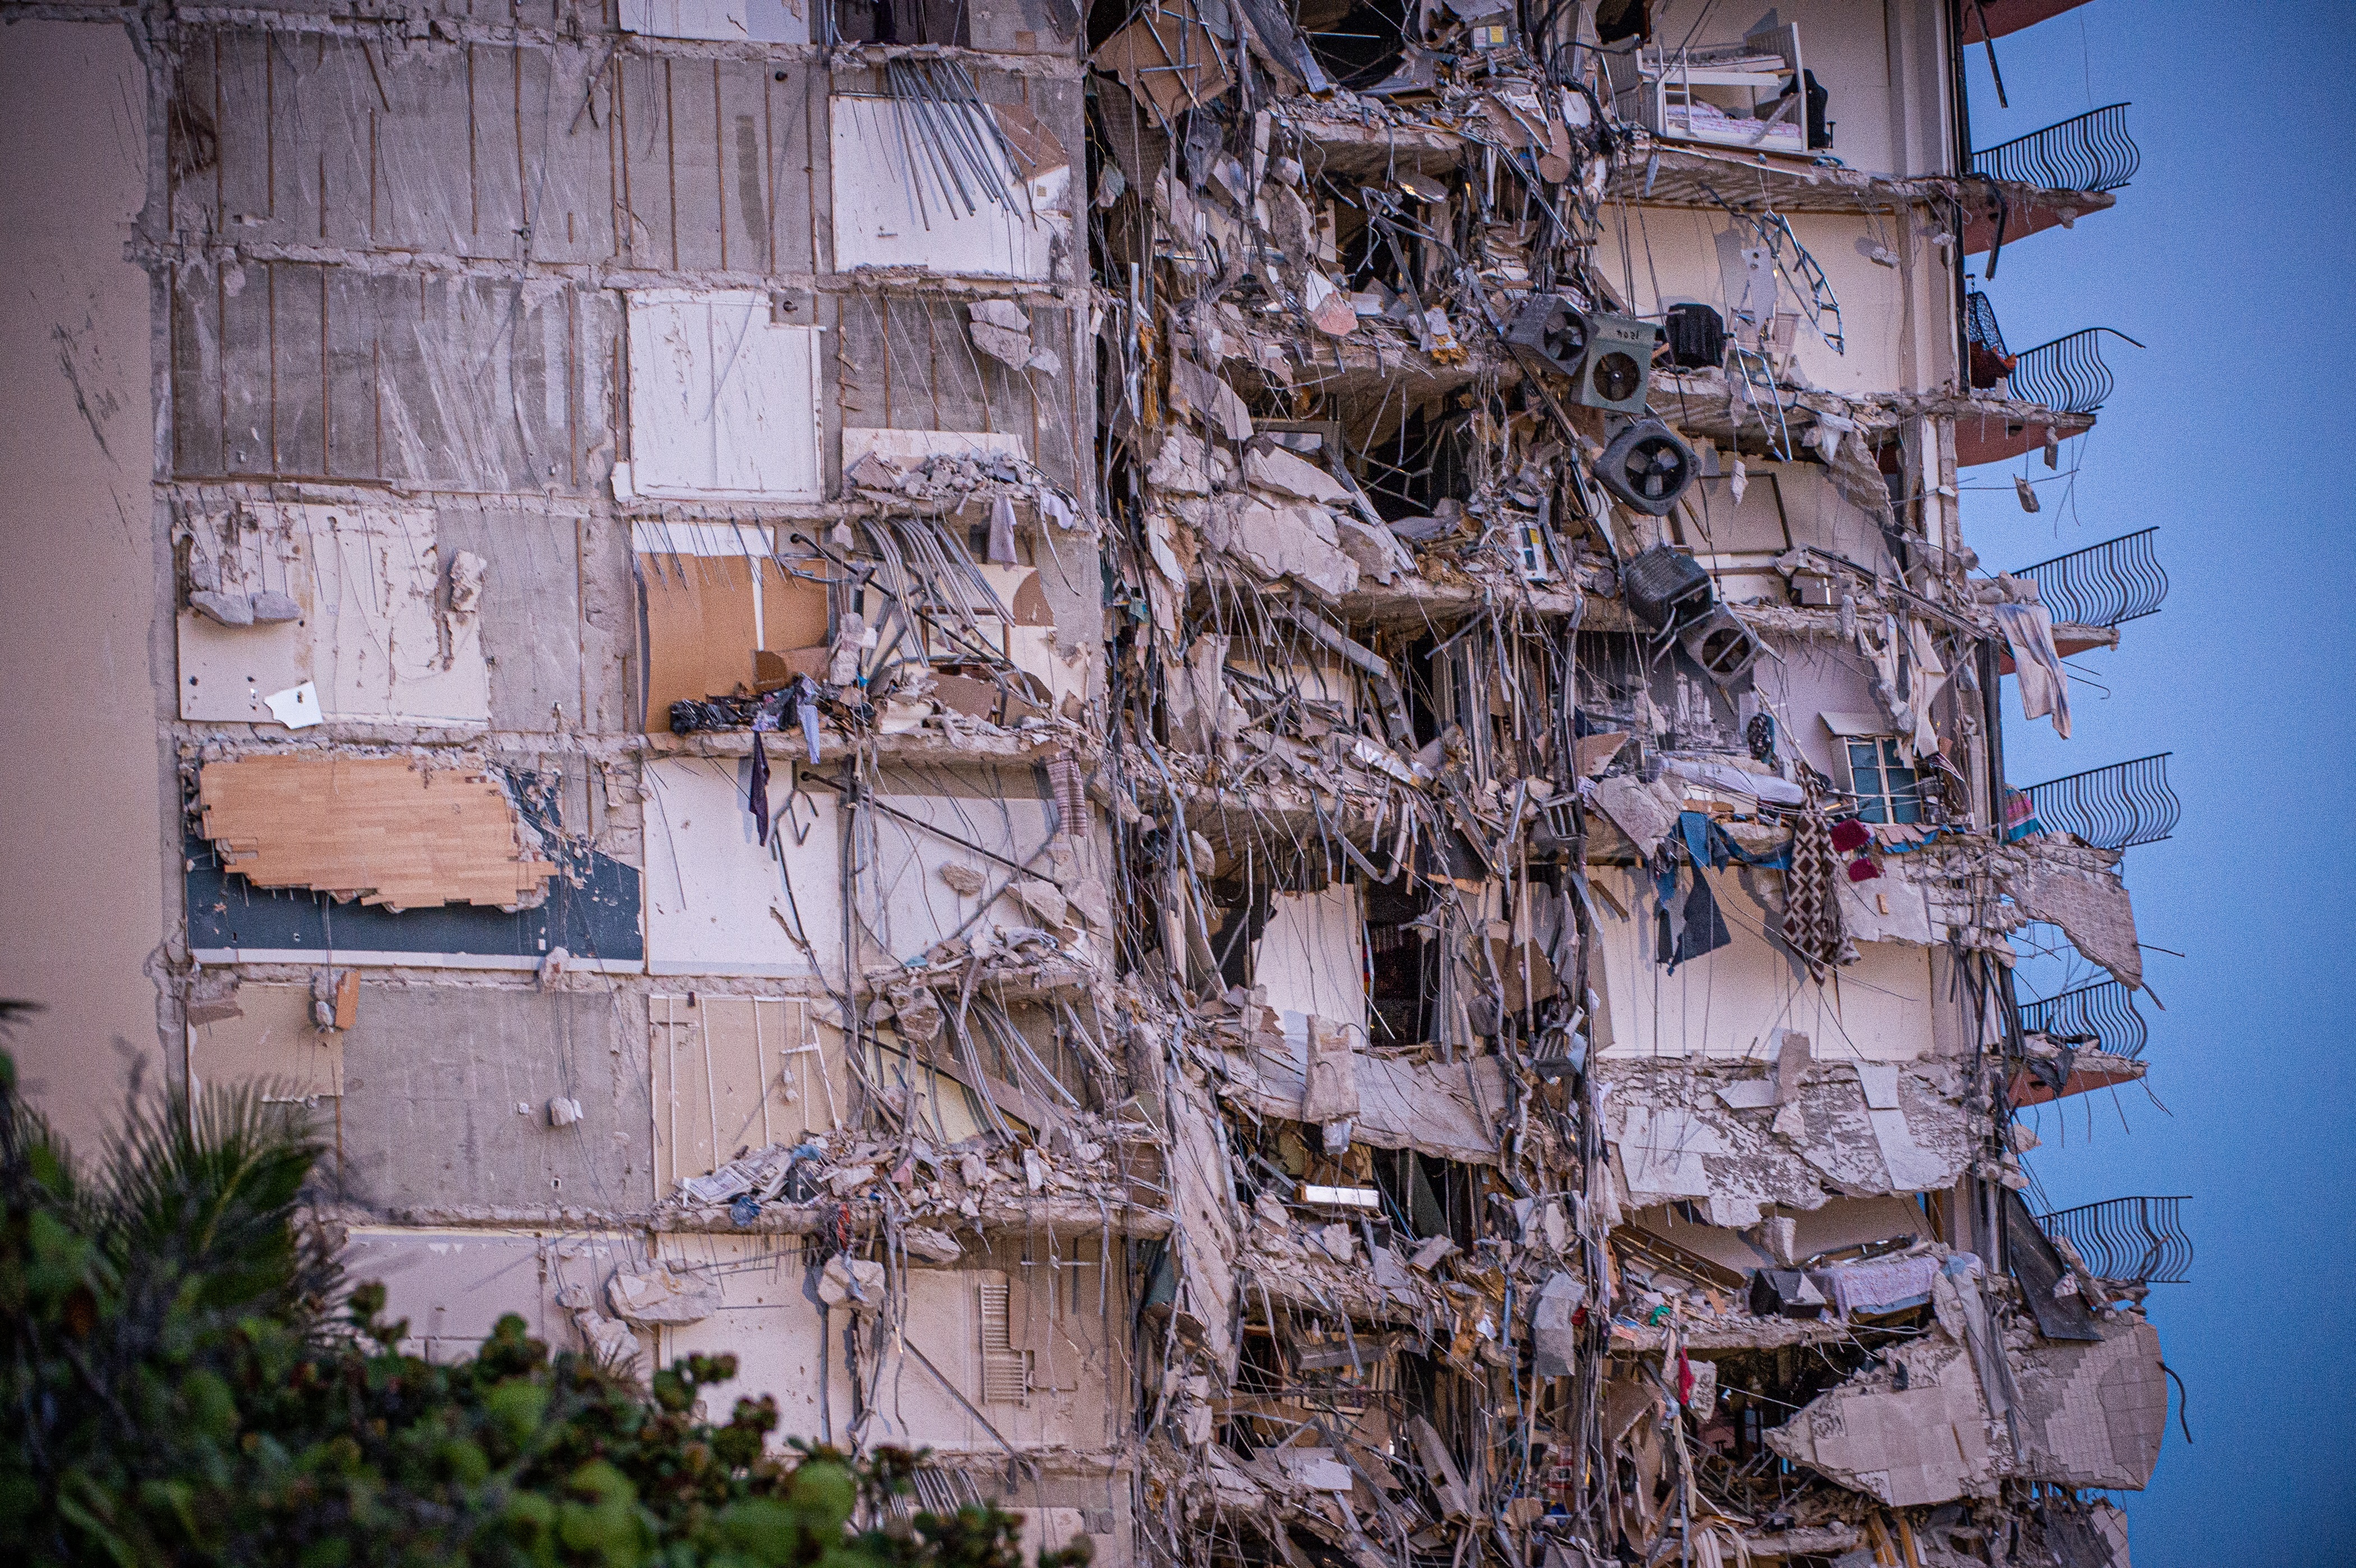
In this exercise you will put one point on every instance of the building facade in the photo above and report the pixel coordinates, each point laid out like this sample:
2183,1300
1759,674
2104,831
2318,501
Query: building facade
1240,760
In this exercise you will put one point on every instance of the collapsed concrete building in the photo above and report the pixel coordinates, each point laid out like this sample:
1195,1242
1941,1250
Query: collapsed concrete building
1238,760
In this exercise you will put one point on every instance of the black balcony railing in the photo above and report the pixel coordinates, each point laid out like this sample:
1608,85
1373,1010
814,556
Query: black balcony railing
2103,585
2104,1013
2067,375
2117,807
2091,152
1979,320
2137,1241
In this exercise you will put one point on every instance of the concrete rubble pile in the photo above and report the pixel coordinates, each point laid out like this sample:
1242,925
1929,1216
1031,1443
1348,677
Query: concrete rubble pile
1237,758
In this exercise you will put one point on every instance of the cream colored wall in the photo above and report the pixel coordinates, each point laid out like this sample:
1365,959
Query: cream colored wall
83,834
766,1321
1735,1002
1676,254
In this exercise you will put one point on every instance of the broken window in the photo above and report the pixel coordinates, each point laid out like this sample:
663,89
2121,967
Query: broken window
1884,785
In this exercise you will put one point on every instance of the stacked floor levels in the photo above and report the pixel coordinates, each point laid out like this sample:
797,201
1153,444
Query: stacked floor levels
1240,761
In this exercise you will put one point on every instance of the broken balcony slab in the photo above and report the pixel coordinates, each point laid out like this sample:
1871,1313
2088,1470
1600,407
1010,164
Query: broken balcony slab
1656,172
1357,152
1996,431
1922,1438
1997,213
2093,1415
2089,1070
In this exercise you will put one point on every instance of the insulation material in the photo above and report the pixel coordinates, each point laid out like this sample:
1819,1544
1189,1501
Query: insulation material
718,901
1928,1443
893,209
384,830
723,399
725,21
1725,1003
2093,1415
713,601
273,1042
735,1072
1310,959
376,620
1446,1109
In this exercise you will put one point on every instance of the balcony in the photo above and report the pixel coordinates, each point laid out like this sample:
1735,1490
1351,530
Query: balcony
2098,1026
2118,807
2129,1241
1984,19
2049,176
2103,1016
2088,152
2104,584
2067,374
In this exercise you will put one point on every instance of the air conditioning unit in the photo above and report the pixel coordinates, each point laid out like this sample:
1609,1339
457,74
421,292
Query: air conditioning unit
1665,586
1550,327
1721,645
1608,358
1618,367
1647,466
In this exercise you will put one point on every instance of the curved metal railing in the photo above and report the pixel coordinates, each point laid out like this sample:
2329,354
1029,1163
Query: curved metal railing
2090,152
2137,1241
2117,807
2066,375
1979,321
2104,1013
2103,585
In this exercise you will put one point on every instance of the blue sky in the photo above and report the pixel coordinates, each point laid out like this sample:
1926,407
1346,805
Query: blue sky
2221,257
